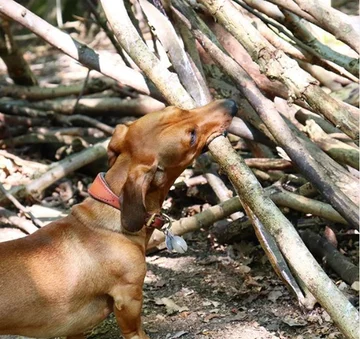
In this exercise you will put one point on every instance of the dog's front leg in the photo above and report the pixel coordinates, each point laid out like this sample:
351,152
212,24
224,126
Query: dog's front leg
127,309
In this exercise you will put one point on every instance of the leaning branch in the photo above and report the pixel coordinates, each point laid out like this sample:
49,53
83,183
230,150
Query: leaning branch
333,21
280,131
112,67
277,65
319,284
167,82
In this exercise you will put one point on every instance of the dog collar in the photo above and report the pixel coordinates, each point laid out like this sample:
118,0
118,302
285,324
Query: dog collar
100,191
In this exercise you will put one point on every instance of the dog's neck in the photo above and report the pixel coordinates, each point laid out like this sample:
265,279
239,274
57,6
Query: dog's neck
117,174
108,217
105,217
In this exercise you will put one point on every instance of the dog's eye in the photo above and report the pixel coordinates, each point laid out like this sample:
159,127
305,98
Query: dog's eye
192,137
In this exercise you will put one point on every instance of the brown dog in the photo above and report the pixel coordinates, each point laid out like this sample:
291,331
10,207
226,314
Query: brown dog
70,275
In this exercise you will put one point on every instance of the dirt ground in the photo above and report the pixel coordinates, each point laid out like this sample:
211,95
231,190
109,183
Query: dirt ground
224,293
212,291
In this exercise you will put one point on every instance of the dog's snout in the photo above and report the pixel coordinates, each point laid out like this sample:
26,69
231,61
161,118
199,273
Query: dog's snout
231,106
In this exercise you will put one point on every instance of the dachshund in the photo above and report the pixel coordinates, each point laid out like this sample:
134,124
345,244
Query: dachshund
68,276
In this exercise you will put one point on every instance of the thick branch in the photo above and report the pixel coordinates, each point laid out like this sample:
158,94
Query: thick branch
179,59
326,252
338,150
167,82
270,116
277,65
325,291
112,66
302,31
18,69
333,21
139,106
59,170
41,93
203,219
294,8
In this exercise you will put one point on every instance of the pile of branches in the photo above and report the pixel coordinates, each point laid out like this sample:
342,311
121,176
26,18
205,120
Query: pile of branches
267,56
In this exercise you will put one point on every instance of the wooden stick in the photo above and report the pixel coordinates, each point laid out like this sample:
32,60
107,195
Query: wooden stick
20,206
59,170
167,82
280,131
276,65
319,284
111,66
333,21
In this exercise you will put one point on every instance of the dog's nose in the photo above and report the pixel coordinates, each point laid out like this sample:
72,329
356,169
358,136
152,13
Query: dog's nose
231,106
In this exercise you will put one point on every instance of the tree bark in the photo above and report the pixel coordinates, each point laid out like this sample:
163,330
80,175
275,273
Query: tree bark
309,271
110,66
276,65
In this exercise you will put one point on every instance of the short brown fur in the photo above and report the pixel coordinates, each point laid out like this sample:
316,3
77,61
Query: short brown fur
70,275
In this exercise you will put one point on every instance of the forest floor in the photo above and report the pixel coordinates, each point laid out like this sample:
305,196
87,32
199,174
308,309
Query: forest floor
213,290
221,292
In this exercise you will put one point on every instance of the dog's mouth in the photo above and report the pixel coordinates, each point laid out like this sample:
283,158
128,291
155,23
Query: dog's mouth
211,138
204,150
215,135
228,109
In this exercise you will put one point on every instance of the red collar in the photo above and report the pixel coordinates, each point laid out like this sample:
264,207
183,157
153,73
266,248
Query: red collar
100,190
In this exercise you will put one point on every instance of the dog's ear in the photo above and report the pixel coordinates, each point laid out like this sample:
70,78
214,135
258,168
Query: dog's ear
115,145
133,204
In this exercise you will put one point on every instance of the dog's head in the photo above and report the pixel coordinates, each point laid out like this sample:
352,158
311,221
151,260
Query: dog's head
149,155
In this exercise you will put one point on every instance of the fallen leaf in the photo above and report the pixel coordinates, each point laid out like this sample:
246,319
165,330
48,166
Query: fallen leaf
187,291
160,283
343,286
210,316
294,322
215,303
274,295
326,316
209,260
158,301
160,317
355,286
238,317
314,318
170,305
185,314
243,269
178,334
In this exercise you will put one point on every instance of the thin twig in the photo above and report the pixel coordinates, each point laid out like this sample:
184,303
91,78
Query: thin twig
82,91
103,24
21,207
